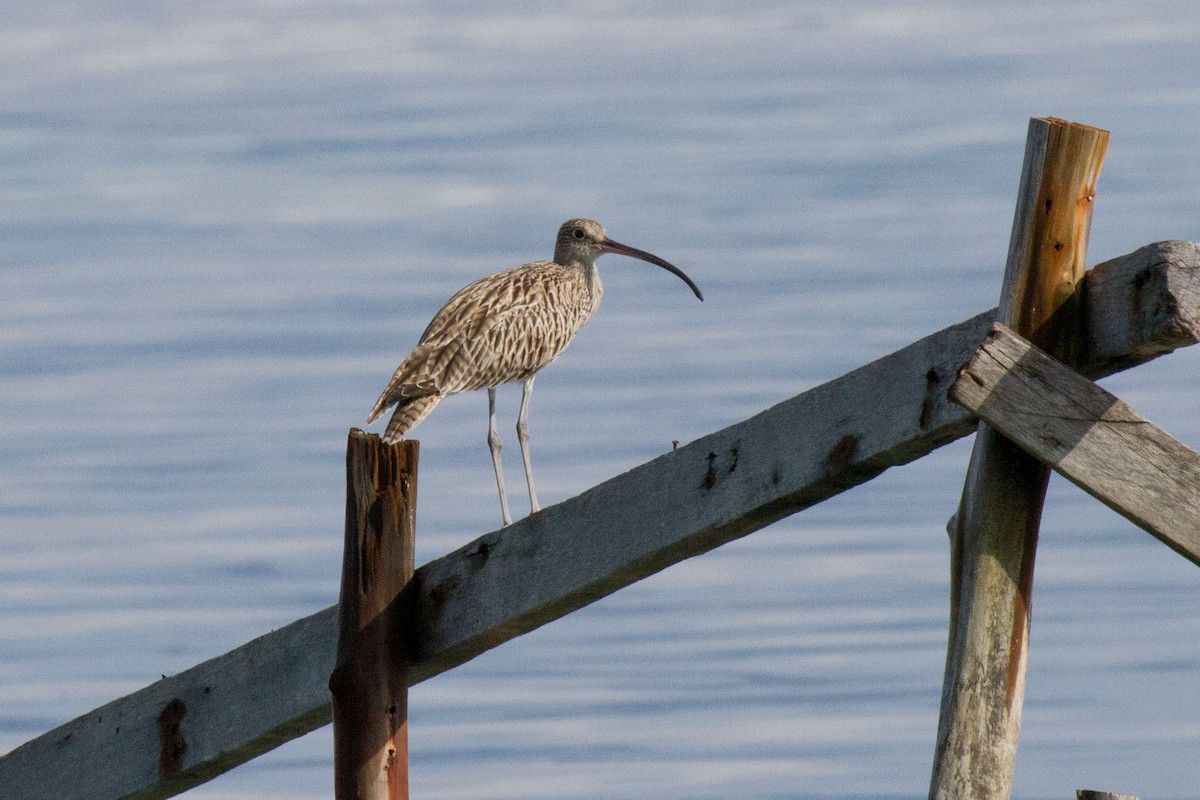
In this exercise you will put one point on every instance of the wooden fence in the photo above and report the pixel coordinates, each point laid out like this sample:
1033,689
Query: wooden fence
187,728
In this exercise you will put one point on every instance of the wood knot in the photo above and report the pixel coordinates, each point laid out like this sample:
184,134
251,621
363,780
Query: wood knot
710,476
479,550
929,401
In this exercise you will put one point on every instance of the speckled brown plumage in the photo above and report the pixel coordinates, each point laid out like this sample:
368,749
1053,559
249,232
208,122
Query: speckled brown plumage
497,330
504,328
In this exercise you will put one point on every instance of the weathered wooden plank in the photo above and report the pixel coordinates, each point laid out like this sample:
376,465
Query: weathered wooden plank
1141,305
996,528
369,684
234,707
273,689
1091,437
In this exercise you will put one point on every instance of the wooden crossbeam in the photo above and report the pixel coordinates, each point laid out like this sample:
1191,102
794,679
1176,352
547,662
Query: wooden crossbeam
1088,435
723,486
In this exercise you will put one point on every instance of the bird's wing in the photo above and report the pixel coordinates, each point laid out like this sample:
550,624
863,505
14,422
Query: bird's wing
420,373
513,343
498,329
410,381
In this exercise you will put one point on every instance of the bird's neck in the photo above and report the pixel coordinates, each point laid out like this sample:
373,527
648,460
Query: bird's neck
589,276
595,288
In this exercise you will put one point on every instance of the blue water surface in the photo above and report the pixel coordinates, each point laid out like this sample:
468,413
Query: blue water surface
223,224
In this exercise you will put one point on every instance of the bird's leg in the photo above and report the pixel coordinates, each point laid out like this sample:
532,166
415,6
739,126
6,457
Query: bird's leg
523,439
494,446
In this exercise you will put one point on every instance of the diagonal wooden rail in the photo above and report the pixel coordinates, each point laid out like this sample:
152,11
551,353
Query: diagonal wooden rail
727,484
1088,435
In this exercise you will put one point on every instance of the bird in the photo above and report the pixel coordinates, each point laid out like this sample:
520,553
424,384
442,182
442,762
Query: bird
504,328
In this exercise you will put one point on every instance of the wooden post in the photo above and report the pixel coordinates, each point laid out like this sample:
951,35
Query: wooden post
369,682
997,522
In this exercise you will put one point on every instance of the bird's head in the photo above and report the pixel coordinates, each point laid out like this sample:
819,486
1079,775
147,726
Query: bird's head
582,241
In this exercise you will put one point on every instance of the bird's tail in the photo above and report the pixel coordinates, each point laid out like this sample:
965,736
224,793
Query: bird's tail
407,414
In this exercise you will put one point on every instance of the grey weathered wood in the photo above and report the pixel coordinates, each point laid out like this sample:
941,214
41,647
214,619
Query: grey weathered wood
236,706
1092,438
824,441
995,536
1141,305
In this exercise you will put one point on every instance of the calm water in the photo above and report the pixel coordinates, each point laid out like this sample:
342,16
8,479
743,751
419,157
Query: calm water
224,223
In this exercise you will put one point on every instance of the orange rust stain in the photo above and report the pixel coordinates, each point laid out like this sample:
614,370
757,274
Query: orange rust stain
171,743
1023,604
843,452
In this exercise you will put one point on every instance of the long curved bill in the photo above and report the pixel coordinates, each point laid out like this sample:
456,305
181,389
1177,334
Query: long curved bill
609,246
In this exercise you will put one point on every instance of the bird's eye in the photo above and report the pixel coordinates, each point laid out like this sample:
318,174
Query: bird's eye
578,234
